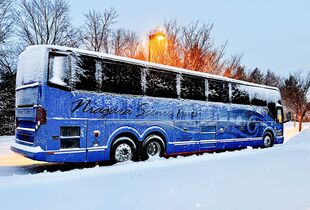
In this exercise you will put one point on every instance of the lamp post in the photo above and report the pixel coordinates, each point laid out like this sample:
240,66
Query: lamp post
157,45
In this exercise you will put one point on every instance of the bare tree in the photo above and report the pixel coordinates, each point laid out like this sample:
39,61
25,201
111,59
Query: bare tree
7,91
232,65
125,43
196,44
295,93
97,29
172,56
6,19
44,22
214,63
240,73
7,103
192,47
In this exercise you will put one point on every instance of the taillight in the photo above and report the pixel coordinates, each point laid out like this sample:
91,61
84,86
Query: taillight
40,116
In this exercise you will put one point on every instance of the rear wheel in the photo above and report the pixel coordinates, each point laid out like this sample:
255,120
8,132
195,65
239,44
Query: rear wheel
123,150
153,147
268,140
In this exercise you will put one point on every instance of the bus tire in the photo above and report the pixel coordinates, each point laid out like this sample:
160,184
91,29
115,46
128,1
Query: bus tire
153,146
267,140
123,149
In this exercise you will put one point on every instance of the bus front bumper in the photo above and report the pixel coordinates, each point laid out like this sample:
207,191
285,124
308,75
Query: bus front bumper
279,139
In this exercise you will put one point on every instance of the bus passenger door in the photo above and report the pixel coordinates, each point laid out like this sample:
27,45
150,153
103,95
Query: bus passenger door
225,128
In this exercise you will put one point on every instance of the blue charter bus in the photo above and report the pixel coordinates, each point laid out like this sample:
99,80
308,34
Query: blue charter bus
74,105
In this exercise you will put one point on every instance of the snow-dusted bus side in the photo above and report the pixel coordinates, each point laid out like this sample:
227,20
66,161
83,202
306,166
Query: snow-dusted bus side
74,105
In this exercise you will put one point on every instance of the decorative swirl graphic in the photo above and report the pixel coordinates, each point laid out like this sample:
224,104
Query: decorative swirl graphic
252,125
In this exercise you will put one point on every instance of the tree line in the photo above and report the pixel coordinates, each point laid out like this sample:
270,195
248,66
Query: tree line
31,22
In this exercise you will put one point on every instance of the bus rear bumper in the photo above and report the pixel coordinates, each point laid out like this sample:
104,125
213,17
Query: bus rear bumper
34,153
67,156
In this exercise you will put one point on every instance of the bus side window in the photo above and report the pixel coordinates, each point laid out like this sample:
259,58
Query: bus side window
272,109
193,88
240,94
85,73
274,100
161,84
258,96
218,91
121,78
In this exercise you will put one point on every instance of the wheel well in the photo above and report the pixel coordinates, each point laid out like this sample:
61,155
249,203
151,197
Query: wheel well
160,135
126,134
270,132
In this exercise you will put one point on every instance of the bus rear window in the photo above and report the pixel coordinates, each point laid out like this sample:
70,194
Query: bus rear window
59,69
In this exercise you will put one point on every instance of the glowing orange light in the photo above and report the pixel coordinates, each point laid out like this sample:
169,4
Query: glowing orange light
160,37
157,35
157,45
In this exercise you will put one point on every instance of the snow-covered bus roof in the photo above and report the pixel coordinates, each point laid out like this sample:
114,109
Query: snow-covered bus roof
145,63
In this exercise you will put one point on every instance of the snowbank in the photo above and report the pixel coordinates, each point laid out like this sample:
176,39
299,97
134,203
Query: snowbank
303,137
291,129
274,178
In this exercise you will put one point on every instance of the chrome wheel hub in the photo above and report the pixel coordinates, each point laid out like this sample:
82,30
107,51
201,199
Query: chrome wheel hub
123,153
153,149
267,141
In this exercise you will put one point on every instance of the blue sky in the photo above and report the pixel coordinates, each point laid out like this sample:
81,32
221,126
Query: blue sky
271,34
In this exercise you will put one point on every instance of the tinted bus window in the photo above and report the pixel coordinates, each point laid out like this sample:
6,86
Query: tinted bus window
218,91
239,94
59,69
122,78
161,84
258,96
273,98
272,109
192,88
85,73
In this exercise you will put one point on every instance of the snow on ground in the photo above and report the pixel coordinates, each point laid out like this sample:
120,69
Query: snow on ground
291,129
5,142
274,178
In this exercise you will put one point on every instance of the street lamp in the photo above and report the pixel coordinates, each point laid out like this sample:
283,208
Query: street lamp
157,45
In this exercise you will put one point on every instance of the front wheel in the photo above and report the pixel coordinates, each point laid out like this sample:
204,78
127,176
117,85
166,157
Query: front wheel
268,140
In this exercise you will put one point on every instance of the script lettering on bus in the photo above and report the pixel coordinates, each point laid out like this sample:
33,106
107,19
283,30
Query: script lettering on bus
85,105
143,110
